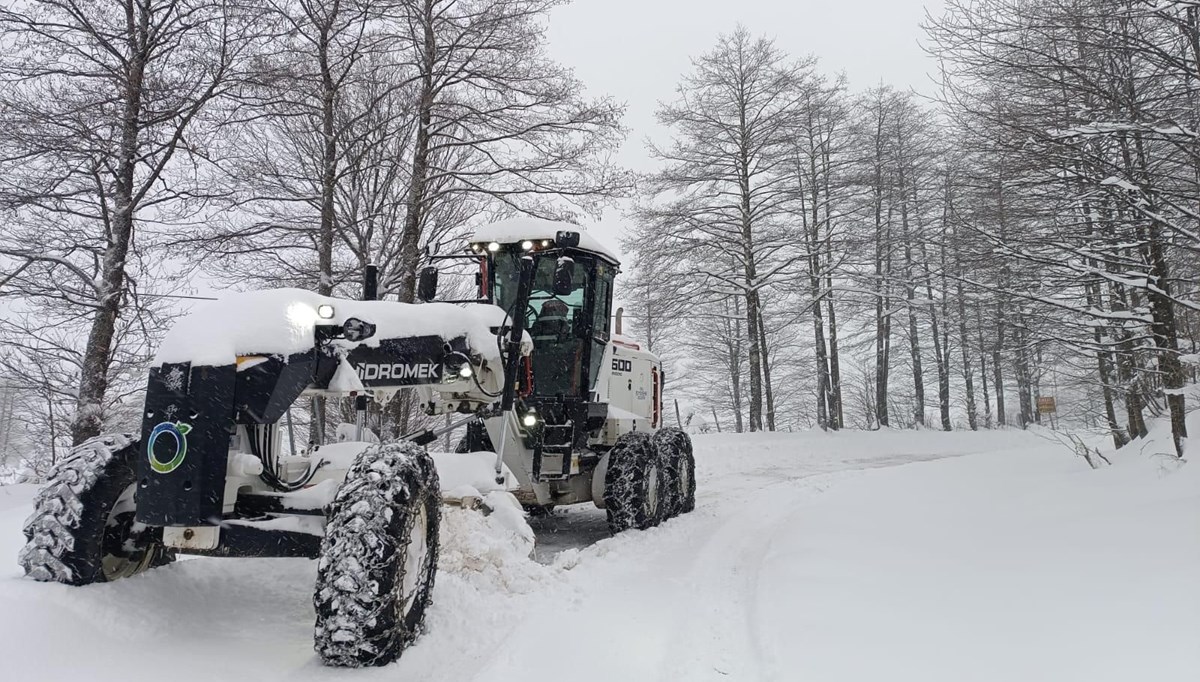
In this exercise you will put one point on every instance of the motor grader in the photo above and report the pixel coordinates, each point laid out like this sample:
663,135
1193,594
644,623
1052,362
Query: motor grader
559,408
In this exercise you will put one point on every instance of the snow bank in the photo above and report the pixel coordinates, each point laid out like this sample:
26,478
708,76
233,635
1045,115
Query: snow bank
472,470
518,229
1021,566
496,544
282,322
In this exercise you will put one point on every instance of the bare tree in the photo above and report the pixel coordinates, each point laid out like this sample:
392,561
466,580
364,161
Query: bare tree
495,117
1094,97
722,195
100,139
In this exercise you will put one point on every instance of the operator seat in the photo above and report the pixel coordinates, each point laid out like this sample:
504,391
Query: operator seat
556,351
552,323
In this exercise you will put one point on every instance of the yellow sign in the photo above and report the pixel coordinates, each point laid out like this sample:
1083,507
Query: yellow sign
1046,405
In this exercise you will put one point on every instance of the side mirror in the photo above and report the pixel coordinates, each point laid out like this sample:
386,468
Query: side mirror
427,284
357,330
564,277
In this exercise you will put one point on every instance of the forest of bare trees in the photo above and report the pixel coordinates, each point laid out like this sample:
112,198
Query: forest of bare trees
803,254
149,144
879,258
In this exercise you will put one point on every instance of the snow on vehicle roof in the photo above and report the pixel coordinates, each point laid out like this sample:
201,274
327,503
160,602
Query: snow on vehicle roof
282,322
517,229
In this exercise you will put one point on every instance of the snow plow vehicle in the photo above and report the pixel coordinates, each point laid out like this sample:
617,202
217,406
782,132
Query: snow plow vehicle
559,408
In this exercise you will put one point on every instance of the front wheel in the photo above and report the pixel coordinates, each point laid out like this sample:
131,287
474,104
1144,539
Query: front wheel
82,529
379,557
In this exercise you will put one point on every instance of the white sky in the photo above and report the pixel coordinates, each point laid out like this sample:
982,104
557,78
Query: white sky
636,50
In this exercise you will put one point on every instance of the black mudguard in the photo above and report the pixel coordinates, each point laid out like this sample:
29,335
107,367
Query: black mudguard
185,444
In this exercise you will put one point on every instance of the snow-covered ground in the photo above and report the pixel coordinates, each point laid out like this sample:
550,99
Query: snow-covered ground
854,556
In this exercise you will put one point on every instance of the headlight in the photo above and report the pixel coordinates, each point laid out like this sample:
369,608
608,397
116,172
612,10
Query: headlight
530,419
527,245
494,247
466,372
325,311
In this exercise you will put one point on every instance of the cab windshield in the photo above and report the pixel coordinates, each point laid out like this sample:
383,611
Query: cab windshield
551,321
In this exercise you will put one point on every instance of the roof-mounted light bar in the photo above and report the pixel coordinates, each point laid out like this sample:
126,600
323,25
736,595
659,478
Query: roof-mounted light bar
567,239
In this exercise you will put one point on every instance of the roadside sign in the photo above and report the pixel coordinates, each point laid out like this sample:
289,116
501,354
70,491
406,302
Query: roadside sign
1046,405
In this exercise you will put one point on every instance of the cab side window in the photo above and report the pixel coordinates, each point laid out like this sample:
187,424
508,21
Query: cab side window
601,317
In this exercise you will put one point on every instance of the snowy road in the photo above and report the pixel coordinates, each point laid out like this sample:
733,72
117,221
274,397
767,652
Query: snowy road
857,556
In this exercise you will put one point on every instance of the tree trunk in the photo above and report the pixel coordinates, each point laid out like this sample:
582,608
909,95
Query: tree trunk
822,359
1104,370
998,387
1162,309
964,342
1024,386
883,267
882,355
836,411
735,368
1166,339
93,384
329,159
755,355
941,326
1095,299
941,357
414,216
983,368
968,378
910,296
766,368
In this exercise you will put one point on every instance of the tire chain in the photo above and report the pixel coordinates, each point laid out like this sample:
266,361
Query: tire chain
58,508
675,448
359,541
629,458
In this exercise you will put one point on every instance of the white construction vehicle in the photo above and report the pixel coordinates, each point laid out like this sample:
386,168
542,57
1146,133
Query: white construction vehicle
532,368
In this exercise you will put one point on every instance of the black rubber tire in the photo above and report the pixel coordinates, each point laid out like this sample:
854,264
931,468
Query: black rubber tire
364,557
71,531
675,448
633,483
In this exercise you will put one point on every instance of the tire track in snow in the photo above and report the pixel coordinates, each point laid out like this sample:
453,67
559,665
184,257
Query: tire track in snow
681,601
718,636
678,602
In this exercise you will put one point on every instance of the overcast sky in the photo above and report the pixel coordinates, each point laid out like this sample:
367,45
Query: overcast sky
636,50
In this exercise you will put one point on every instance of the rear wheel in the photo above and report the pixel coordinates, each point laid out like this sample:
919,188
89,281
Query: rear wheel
378,558
633,483
83,529
675,448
